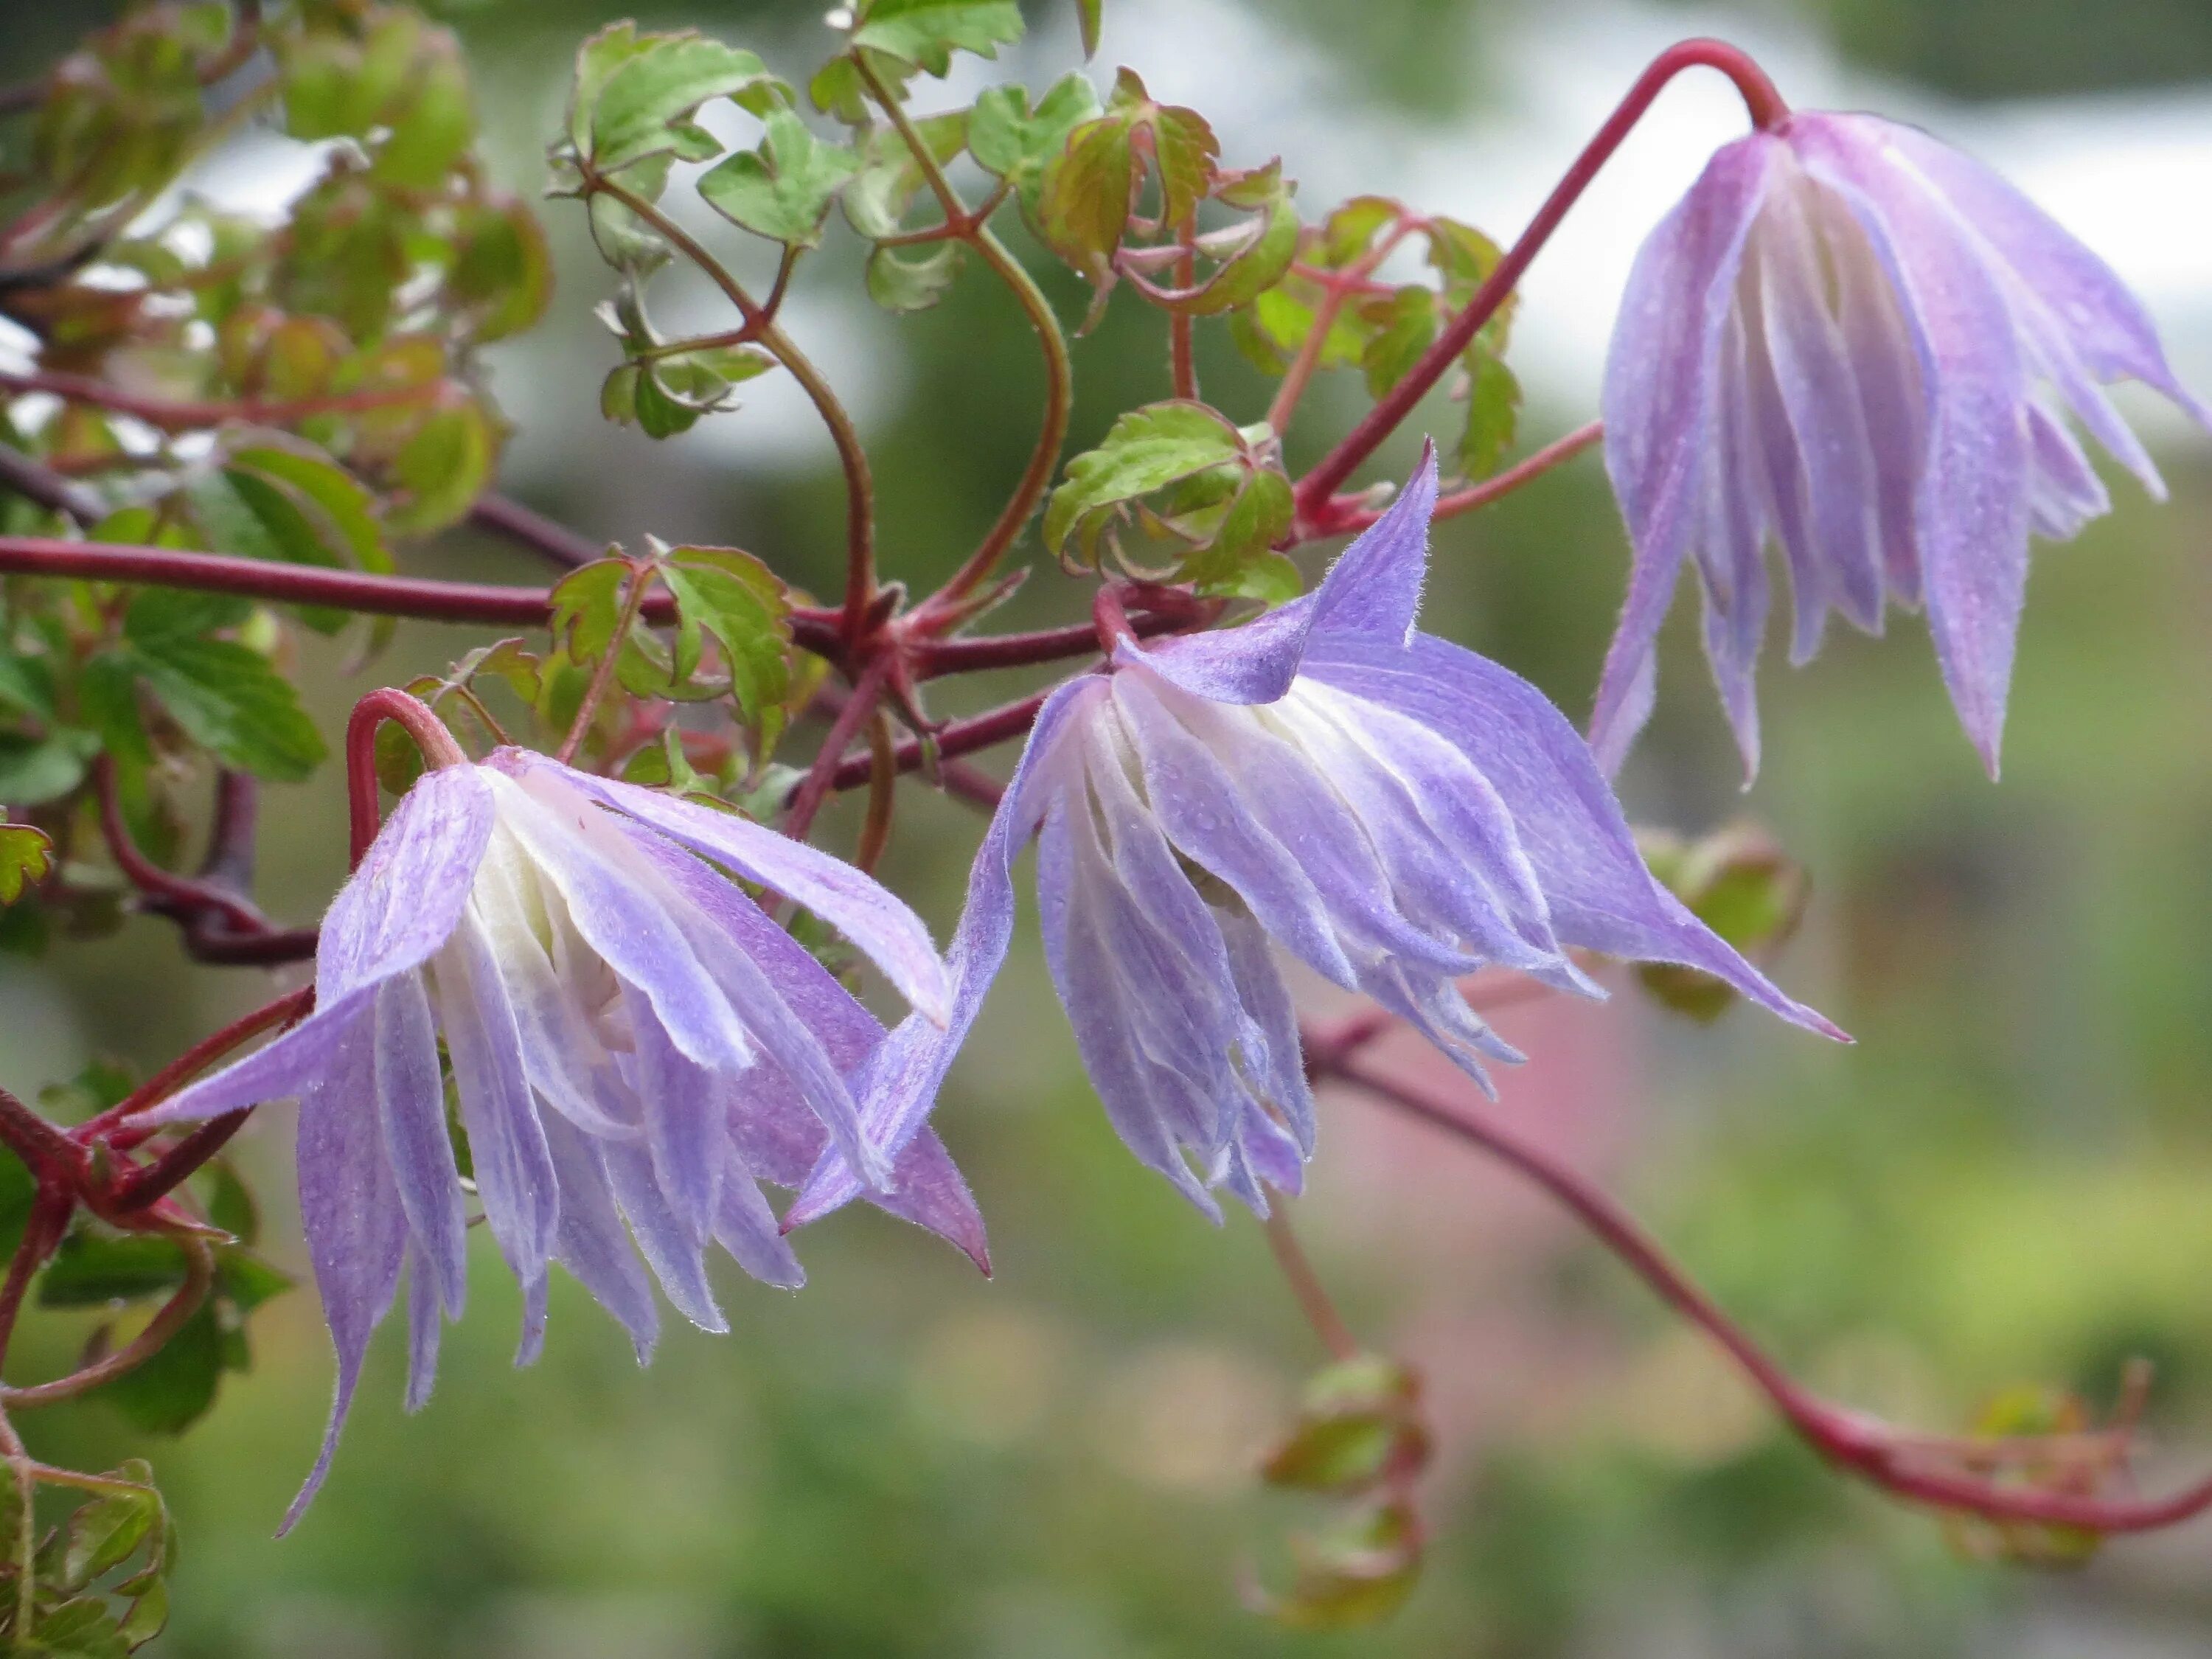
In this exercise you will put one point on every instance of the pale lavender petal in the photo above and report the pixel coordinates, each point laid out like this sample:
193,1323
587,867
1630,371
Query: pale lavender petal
747,1229
507,1143
1184,781
1130,1088
424,1295
357,1234
927,1189
682,1119
676,1254
584,858
1281,1081
2113,330
413,883
1884,353
852,903
531,1348
592,1242
1732,554
1372,591
899,1085
779,1031
2066,492
1819,390
410,1105
1660,382
566,1061
277,1070
1602,896
1780,478
1973,497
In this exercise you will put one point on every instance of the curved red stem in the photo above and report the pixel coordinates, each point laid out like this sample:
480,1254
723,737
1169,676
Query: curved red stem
1767,112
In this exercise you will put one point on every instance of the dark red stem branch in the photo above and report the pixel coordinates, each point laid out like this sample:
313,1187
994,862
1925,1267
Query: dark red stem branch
1878,1454
1767,112
431,738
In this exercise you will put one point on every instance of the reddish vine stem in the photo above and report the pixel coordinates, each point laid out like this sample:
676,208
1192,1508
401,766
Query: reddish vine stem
1495,488
181,894
431,738
1896,1463
283,1010
822,776
199,1279
602,676
1767,112
1312,1296
173,414
956,737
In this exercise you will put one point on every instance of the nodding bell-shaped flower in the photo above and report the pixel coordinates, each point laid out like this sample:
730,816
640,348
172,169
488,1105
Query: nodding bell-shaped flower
1390,810
1866,346
634,1045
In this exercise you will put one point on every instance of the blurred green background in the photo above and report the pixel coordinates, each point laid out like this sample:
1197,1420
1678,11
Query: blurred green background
2006,1181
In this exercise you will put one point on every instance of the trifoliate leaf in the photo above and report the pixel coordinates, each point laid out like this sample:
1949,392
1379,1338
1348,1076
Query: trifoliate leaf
782,190
634,94
926,32
1015,142
732,596
888,178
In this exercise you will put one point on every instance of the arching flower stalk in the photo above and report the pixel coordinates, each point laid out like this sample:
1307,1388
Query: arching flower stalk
1389,809
1865,346
631,1041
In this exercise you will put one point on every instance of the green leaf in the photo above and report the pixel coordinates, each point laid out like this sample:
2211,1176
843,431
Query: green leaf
244,1280
1493,410
433,130
1016,143
26,856
926,32
81,1629
1083,200
442,469
900,282
1359,1425
89,1269
1145,450
1242,563
1252,258
783,190
502,270
225,696
34,769
1090,15
26,684
1405,325
888,178
175,1386
106,1532
634,92
740,602
229,1202
838,89
1359,1573
1350,231
587,605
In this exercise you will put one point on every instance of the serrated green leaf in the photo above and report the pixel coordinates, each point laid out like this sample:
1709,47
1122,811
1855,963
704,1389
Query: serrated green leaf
1241,561
1253,259
587,606
1350,231
1404,325
903,282
1082,201
1145,450
926,32
106,1532
634,94
888,178
783,190
82,1629
738,600
1015,142
1493,410
26,856
231,703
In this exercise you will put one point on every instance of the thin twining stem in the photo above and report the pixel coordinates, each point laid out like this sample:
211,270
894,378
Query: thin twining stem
852,454
1313,1297
199,1277
1495,488
1338,286
822,776
1767,112
1910,1466
1060,380
603,676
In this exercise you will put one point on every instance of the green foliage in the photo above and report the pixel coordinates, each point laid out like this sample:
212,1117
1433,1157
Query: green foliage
1014,143
635,94
783,190
26,855
83,1605
225,696
1188,476
1088,188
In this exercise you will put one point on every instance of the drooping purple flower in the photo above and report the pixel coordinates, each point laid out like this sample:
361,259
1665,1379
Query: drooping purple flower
1864,346
1390,810
634,1045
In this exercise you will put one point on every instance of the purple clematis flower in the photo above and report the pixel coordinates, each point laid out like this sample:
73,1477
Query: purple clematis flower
631,1039
1866,345
1389,809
